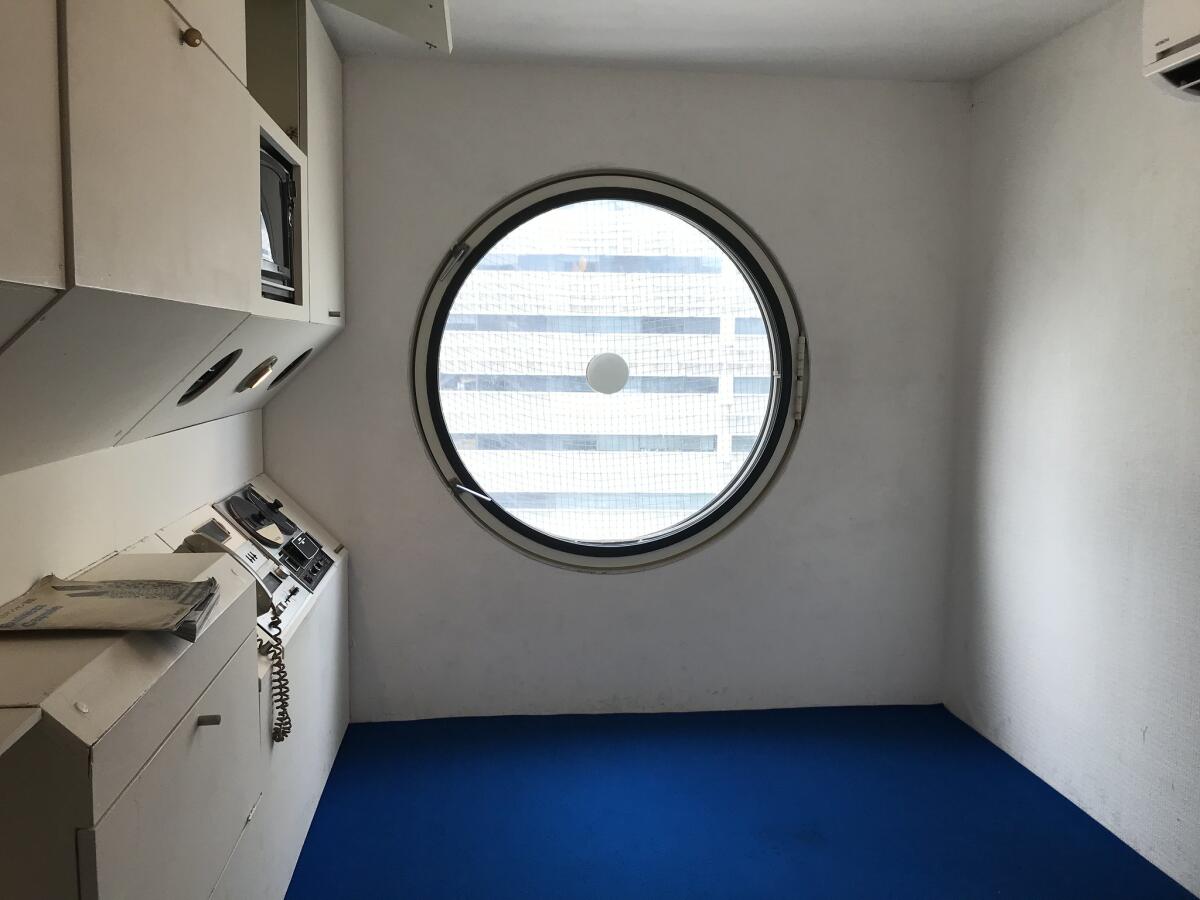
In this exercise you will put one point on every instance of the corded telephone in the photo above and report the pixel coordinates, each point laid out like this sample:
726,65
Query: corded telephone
270,630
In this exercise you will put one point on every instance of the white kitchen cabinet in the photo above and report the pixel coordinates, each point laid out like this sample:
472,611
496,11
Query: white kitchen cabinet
19,305
119,789
92,366
275,60
322,138
223,25
160,149
202,782
163,158
296,770
227,367
31,220
114,787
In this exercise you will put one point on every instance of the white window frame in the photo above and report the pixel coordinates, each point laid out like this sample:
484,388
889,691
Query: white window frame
790,362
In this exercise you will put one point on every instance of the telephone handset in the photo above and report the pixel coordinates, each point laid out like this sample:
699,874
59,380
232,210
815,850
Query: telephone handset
270,641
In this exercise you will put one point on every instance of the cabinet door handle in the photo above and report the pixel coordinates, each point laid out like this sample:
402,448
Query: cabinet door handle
208,720
192,37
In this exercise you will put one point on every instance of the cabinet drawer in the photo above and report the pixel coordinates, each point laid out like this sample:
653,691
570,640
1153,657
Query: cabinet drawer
172,830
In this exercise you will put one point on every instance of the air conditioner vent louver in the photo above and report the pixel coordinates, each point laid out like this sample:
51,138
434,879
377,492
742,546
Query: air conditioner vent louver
1185,77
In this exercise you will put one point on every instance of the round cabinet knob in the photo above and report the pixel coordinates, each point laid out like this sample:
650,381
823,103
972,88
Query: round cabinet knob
192,37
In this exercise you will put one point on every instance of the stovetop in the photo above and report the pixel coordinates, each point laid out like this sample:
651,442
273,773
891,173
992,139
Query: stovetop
262,520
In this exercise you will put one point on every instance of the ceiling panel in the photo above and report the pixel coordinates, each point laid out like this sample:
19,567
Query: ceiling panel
926,40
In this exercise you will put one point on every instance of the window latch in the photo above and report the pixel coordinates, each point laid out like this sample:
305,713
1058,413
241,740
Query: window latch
463,489
453,258
801,366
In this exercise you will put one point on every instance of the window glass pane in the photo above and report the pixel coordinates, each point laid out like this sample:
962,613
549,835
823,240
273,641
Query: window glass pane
752,385
746,325
519,358
744,443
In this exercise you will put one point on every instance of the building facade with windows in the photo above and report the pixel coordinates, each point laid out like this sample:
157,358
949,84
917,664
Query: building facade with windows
605,276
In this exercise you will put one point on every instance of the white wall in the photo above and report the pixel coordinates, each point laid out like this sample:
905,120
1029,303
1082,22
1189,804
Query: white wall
1075,624
64,515
832,590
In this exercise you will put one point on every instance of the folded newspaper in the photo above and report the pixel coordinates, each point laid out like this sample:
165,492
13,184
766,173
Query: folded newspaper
176,606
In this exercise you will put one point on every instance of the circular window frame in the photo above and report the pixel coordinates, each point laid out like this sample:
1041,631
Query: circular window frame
785,331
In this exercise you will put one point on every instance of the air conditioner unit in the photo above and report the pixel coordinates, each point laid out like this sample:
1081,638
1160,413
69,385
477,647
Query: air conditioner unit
426,21
1171,45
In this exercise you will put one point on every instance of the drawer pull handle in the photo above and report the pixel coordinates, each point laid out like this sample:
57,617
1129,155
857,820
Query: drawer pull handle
192,37
208,720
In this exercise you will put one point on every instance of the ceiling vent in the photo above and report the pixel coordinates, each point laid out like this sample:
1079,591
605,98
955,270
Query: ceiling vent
1171,45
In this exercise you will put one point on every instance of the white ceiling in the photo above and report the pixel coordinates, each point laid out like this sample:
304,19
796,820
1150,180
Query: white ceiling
929,40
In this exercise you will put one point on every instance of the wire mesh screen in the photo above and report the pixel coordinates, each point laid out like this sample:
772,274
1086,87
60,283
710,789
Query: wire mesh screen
605,277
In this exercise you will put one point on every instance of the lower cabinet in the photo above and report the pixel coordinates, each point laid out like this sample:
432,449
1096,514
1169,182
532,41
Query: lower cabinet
137,778
172,829
295,771
150,773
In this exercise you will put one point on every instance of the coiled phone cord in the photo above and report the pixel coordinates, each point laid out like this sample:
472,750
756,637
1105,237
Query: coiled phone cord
280,691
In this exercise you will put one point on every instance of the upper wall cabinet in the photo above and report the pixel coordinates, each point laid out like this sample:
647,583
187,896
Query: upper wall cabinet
162,154
321,134
89,368
275,60
31,223
150,203
20,305
245,371
295,74
223,25
139,136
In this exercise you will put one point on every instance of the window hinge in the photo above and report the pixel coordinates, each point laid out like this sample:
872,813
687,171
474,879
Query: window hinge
453,258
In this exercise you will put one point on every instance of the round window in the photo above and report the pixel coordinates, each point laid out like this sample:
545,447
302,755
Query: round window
608,369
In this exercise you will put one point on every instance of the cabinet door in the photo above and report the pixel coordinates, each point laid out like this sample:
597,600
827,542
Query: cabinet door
223,24
31,226
163,159
323,133
173,829
296,770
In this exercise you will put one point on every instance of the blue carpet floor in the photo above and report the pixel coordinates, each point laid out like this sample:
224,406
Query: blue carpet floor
824,803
